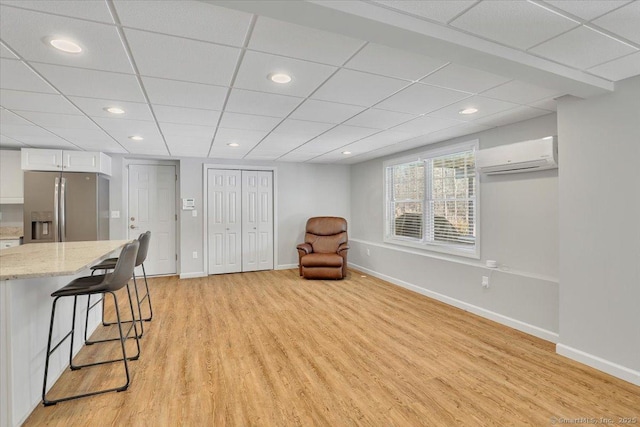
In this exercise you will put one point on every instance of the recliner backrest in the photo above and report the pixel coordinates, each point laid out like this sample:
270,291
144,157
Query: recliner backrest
326,233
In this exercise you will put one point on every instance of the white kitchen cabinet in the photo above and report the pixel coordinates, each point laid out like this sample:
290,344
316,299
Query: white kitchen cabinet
66,161
11,178
4,244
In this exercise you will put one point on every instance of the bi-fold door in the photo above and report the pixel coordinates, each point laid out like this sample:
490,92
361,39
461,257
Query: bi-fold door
239,220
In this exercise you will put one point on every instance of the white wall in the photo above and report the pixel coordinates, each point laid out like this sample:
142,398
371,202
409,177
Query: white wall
518,228
599,232
302,191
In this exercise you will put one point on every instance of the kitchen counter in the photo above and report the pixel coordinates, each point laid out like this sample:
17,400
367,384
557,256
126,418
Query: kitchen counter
11,233
28,275
53,259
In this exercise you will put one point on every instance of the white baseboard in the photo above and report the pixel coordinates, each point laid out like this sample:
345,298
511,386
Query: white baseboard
193,275
599,363
488,314
286,266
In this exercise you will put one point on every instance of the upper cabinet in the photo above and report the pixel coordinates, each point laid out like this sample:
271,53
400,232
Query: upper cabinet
11,178
66,161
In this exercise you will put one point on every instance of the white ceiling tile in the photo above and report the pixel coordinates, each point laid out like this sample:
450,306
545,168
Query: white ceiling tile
177,130
586,9
10,118
516,23
337,137
181,150
280,143
354,87
32,101
91,83
435,10
324,111
379,119
466,79
246,138
289,157
302,128
6,53
6,142
624,21
262,156
123,129
549,104
27,32
425,124
379,140
260,103
192,19
248,121
91,10
517,114
485,106
283,38
89,139
151,147
619,69
582,48
49,120
186,116
34,135
305,76
183,94
378,59
17,76
444,134
94,107
421,98
226,152
519,92
170,57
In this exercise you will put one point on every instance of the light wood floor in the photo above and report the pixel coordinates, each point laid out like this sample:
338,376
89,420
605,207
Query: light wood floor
273,349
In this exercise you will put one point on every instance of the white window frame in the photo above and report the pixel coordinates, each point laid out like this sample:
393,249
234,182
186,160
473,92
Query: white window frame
388,236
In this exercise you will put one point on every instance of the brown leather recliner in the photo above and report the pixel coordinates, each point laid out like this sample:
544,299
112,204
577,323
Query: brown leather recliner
323,255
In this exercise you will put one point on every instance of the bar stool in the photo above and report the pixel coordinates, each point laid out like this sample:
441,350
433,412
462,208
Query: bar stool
109,264
90,285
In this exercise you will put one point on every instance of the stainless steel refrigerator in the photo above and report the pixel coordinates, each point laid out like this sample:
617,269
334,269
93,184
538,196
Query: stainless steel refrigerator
65,207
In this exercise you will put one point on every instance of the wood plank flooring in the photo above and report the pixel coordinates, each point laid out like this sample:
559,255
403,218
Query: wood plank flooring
272,349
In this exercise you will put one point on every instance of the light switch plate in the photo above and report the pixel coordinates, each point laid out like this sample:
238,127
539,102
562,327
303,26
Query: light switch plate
115,214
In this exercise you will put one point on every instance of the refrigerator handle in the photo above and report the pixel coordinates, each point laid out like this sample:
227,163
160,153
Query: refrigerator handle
63,208
56,210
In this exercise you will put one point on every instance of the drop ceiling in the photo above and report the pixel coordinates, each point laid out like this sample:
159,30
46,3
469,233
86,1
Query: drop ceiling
368,77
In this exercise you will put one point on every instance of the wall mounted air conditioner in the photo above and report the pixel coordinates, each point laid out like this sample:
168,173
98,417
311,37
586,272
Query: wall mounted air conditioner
527,156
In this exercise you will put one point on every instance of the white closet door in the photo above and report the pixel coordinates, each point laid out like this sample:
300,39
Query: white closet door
224,221
257,220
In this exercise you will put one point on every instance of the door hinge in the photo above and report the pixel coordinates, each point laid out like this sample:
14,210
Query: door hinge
176,177
176,217
176,257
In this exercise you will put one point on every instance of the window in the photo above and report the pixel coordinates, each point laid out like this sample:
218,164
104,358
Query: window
431,200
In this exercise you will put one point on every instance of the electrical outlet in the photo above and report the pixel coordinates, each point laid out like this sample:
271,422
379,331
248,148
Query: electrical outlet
115,214
195,254
485,282
194,213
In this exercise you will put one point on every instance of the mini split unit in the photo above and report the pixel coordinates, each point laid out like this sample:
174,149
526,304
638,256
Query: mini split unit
527,156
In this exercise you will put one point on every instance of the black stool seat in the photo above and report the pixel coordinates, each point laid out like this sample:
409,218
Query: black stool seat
102,284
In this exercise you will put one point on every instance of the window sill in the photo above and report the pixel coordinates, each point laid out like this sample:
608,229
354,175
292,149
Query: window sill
472,253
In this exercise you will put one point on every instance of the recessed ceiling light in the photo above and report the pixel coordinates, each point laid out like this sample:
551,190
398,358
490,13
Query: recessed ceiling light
468,111
136,137
114,110
65,45
279,78
346,152
233,144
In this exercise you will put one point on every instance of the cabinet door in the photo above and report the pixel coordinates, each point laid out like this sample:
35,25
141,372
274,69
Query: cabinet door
81,161
11,177
41,160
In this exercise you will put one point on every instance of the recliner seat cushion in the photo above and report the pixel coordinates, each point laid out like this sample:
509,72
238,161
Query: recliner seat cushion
322,260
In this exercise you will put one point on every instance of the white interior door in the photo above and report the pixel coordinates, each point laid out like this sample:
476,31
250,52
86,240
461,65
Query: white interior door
224,223
257,220
152,207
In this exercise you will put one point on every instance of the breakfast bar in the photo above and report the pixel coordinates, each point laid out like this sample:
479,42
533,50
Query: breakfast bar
28,275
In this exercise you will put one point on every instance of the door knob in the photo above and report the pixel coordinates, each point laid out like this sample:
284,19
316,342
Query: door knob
132,226
133,218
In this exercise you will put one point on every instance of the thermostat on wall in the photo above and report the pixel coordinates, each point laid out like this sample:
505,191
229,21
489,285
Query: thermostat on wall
188,204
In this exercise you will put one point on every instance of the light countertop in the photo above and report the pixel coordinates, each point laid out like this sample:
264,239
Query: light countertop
11,233
53,259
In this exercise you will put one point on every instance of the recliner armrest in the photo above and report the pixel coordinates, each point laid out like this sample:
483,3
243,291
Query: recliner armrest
306,247
343,247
